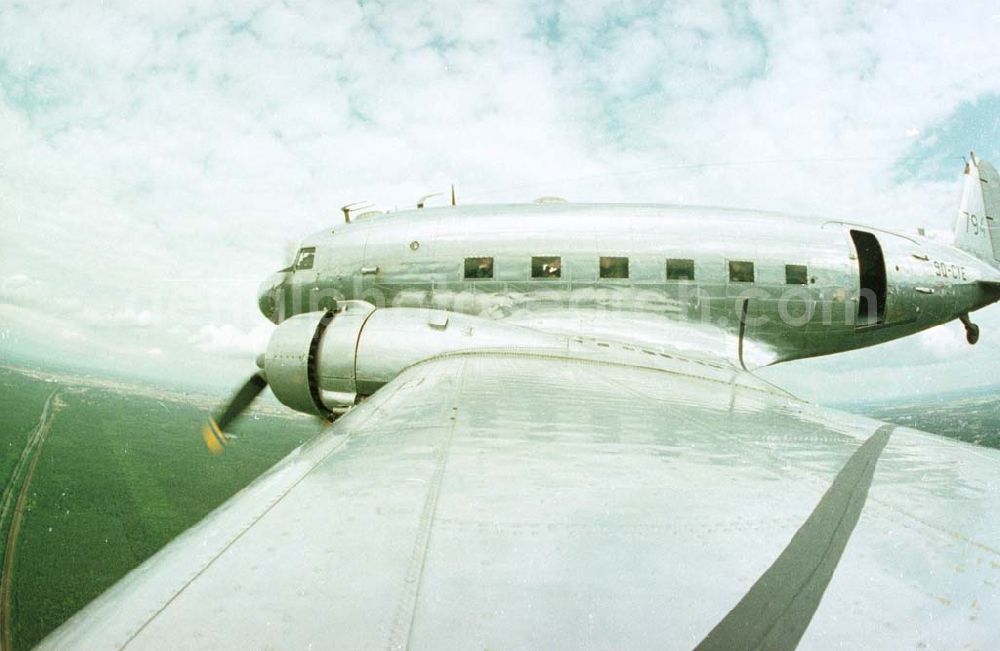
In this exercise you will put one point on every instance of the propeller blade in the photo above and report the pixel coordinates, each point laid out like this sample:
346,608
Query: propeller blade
214,430
215,439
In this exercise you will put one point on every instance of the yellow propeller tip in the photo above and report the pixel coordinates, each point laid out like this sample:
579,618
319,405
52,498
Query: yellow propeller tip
215,438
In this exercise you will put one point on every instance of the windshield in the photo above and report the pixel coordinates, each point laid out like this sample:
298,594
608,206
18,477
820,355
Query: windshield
304,260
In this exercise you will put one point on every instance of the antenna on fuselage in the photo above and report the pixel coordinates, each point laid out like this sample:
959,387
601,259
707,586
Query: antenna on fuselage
423,199
353,207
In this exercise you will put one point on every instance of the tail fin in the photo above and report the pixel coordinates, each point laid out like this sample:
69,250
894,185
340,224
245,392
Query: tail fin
977,226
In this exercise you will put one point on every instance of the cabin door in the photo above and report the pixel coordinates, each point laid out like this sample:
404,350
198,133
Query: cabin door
873,284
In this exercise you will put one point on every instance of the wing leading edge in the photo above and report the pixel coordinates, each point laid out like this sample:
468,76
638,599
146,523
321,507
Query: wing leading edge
510,500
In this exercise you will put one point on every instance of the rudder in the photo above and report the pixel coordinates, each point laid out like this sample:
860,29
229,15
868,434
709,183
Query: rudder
977,225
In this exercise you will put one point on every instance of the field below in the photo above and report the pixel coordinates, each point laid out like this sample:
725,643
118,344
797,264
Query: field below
972,415
107,473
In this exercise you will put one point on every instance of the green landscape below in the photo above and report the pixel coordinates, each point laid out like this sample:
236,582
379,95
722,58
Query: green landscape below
121,471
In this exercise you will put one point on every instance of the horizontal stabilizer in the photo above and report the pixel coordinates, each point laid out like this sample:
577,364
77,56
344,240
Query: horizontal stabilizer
991,288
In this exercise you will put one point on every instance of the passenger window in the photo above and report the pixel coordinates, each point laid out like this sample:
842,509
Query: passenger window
680,269
740,271
478,268
614,267
546,267
305,258
796,274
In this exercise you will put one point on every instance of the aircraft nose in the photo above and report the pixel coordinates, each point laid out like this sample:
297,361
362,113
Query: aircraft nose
269,296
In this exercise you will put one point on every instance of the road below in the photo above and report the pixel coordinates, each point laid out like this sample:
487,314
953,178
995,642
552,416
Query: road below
15,497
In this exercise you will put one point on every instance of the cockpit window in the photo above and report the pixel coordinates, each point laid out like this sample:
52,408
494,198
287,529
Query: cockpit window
614,267
478,268
305,258
546,266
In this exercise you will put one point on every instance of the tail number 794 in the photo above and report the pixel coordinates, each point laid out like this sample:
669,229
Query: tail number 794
975,224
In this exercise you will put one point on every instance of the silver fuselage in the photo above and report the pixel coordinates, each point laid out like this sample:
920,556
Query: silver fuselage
417,258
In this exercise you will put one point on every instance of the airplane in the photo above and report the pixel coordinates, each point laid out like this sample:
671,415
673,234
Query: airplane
547,431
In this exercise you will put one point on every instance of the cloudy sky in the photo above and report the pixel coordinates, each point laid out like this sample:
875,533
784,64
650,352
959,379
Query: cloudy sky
157,160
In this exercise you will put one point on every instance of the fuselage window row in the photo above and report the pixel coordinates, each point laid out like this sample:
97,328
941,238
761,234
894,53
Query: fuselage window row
616,267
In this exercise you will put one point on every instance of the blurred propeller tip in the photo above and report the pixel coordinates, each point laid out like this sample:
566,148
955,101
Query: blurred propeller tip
215,438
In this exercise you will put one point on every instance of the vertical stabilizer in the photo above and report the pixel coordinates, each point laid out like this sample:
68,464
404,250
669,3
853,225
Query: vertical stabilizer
977,226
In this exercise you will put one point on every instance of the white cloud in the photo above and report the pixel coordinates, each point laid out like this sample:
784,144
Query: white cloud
228,339
944,342
71,335
157,157
13,284
127,317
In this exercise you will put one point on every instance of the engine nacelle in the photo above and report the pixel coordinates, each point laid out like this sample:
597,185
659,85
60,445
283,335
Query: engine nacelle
322,362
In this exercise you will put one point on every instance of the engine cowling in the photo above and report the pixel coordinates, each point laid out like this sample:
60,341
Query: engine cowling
322,362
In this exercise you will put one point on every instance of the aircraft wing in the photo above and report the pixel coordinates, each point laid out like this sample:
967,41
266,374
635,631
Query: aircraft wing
505,500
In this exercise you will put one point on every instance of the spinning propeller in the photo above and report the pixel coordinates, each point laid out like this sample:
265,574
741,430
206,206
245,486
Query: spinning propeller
214,430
